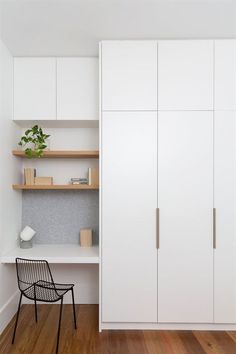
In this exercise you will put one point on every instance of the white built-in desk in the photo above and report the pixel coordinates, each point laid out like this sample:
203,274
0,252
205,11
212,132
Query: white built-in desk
56,253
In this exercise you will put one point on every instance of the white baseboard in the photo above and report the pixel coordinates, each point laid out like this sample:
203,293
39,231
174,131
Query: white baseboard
168,326
8,310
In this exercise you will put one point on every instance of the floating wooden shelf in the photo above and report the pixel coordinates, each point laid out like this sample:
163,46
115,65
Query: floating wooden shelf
83,154
54,187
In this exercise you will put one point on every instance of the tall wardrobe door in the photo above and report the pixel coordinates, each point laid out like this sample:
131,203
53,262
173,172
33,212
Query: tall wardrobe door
225,204
129,200
185,200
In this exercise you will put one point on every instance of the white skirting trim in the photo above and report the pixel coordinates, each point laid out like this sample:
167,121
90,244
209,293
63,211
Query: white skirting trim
169,326
8,310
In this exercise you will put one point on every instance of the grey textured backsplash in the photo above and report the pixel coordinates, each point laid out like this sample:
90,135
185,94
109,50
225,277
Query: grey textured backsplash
57,216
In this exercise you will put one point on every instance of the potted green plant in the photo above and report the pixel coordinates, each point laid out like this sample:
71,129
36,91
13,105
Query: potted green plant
34,142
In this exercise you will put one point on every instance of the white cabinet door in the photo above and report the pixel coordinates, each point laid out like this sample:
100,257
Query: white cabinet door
129,75
185,199
225,74
129,200
77,88
225,204
34,88
185,75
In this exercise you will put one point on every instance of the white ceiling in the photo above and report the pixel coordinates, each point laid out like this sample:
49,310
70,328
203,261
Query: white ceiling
74,28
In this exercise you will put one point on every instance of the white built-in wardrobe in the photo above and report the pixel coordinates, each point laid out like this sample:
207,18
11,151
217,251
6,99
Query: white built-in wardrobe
168,183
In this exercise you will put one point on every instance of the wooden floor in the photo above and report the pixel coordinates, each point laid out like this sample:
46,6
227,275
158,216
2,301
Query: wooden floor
32,338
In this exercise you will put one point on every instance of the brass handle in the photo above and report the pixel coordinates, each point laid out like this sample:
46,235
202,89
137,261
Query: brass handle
157,228
214,228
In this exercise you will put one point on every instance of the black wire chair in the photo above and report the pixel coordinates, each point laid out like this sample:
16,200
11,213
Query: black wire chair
35,282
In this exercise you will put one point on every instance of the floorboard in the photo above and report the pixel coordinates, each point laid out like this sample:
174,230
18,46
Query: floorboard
40,338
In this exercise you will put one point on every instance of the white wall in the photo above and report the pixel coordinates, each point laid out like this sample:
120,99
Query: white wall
10,201
84,276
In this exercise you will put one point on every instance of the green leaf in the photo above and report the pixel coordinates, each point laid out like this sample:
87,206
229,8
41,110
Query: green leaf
36,136
27,132
35,129
29,153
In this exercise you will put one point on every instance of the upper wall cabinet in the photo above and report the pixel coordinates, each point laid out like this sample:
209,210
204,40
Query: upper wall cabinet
77,88
225,74
185,75
34,88
129,75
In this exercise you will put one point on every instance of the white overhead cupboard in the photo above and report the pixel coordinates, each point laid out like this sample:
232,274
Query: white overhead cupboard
168,162
225,74
56,89
34,88
77,88
185,75
129,71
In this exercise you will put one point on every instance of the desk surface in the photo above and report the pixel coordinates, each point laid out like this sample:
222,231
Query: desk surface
55,253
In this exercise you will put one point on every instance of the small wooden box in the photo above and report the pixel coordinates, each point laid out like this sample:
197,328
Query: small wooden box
43,181
29,175
93,176
86,237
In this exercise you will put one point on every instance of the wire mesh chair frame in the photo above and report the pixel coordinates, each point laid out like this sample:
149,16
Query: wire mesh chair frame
36,283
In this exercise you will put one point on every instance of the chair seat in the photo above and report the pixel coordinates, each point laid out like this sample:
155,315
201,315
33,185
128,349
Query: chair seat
47,291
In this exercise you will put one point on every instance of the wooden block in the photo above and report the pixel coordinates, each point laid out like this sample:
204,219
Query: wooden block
93,176
86,237
43,181
29,175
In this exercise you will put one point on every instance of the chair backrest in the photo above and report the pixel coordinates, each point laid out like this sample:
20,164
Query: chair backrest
30,271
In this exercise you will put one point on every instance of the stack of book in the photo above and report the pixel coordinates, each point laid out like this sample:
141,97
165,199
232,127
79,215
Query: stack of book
92,180
79,180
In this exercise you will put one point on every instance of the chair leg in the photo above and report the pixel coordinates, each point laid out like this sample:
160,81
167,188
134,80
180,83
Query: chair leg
59,326
35,310
35,305
17,316
73,302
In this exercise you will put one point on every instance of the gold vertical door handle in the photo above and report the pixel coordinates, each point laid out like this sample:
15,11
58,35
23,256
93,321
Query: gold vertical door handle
157,228
214,228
